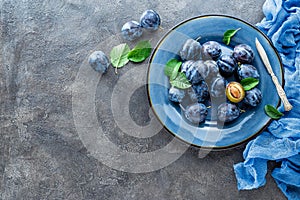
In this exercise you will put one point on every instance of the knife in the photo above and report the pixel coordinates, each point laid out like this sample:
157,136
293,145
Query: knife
280,91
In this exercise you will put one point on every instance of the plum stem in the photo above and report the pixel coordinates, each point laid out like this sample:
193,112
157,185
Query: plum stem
181,106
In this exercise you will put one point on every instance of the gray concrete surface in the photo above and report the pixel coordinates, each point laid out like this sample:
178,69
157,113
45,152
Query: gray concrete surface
43,45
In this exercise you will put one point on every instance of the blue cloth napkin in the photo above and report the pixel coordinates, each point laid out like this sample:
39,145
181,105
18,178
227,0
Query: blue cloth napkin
281,141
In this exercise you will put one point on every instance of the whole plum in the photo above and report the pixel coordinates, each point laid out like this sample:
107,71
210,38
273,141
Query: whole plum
191,50
186,65
193,75
243,53
202,68
211,50
176,95
99,61
150,20
196,113
217,87
199,92
227,65
131,30
246,71
228,112
212,68
253,97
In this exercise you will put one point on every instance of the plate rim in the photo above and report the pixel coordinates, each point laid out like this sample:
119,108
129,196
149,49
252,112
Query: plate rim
214,148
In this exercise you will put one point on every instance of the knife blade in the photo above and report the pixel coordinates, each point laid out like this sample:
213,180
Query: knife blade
280,91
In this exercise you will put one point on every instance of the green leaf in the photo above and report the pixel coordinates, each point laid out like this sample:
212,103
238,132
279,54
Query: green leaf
272,112
181,81
170,66
228,35
175,71
249,83
118,55
140,52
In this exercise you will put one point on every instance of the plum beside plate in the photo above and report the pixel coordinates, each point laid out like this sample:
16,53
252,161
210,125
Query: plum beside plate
212,134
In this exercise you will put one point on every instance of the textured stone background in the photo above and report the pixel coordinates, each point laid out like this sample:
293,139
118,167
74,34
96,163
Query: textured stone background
43,45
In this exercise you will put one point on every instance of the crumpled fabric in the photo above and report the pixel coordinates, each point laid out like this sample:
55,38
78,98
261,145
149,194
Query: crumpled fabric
281,140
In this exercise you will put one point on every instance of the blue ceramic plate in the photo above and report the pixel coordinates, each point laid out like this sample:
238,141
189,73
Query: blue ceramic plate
210,134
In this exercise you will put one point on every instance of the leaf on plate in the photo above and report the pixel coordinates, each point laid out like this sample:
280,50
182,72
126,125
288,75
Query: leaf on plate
170,66
273,112
118,55
181,81
249,83
175,71
229,34
140,52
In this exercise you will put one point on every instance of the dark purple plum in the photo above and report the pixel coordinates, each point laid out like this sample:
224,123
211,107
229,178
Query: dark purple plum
176,95
202,68
228,112
131,30
186,65
243,53
196,113
99,61
212,68
150,20
217,87
199,92
193,75
253,97
246,71
227,65
191,50
211,50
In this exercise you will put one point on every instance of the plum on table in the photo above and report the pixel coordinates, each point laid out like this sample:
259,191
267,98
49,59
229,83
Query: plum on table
131,30
99,61
150,20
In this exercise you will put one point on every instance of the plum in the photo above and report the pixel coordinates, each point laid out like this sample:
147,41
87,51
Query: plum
191,50
99,61
243,53
150,20
211,50
131,30
196,113
199,92
246,71
176,95
227,65
228,112
253,97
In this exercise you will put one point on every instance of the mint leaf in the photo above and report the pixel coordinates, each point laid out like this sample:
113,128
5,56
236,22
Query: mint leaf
140,52
273,112
181,81
118,55
228,35
249,83
169,68
175,71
